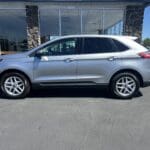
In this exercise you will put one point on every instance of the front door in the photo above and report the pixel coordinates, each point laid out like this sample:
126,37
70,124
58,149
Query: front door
56,62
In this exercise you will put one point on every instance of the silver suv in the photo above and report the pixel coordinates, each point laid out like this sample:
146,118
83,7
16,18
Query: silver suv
117,62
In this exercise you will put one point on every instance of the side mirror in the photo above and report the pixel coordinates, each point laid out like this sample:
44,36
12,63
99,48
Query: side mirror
38,55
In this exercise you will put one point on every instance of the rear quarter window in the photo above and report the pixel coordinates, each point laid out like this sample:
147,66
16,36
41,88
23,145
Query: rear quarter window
120,46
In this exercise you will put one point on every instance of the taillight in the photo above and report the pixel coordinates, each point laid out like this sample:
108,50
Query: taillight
145,55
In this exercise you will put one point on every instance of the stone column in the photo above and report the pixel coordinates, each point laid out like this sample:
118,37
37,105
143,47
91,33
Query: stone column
134,21
33,32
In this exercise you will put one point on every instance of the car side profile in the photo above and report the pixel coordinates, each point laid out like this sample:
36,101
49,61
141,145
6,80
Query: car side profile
117,62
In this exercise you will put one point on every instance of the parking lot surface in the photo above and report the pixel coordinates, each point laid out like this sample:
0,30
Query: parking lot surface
75,119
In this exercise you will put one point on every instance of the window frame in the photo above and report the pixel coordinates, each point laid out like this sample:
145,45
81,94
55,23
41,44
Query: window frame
58,41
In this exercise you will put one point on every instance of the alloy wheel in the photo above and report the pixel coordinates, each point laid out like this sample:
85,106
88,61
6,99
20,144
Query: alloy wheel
14,85
125,86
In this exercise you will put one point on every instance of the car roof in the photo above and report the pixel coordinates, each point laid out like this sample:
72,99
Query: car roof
99,36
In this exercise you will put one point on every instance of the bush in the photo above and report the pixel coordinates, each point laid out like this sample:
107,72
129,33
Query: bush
146,43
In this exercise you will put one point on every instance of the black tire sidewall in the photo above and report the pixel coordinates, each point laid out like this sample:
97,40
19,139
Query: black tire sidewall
25,80
117,77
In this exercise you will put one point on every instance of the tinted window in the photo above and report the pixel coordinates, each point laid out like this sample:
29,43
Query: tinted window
120,46
63,47
98,45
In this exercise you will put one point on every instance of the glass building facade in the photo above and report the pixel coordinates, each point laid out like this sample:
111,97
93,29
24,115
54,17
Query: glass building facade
54,19
60,22
13,36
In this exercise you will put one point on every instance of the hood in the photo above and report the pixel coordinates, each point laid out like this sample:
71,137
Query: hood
14,56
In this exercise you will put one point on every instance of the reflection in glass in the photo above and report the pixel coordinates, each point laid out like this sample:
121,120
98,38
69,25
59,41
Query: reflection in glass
70,21
63,47
59,22
113,21
49,23
13,36
92,21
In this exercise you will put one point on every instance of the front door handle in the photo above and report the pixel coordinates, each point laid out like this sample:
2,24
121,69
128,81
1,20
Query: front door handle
67,60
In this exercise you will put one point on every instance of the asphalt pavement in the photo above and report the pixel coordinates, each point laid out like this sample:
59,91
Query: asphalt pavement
75,119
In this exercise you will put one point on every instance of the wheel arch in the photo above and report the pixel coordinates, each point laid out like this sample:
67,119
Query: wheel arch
16,70
136,73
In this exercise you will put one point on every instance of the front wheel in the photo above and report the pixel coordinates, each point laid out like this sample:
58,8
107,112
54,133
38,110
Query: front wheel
124,85
15,85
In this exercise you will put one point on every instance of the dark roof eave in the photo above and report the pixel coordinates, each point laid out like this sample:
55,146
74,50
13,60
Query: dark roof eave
139,1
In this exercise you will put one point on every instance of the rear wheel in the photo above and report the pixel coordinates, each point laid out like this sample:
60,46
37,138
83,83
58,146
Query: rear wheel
124,85
15,85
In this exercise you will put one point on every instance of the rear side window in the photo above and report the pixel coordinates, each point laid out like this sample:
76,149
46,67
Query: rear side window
120,46
98,45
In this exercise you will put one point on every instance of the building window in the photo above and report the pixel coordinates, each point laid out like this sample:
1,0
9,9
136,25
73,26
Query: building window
70,22
49,23
59,22
92,21
13,34
113,21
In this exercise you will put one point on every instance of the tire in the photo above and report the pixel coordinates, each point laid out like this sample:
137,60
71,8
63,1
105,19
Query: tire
124,85
15,85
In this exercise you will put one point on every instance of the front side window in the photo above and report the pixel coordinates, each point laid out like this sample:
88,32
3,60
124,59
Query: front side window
98,45
62,47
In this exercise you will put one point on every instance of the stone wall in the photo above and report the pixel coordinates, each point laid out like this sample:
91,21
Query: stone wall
33,34
134,21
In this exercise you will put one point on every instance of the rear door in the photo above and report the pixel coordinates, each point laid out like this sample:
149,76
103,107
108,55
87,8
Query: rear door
96,60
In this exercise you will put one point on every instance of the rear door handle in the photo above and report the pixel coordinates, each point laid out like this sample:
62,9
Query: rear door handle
112,58
67,60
